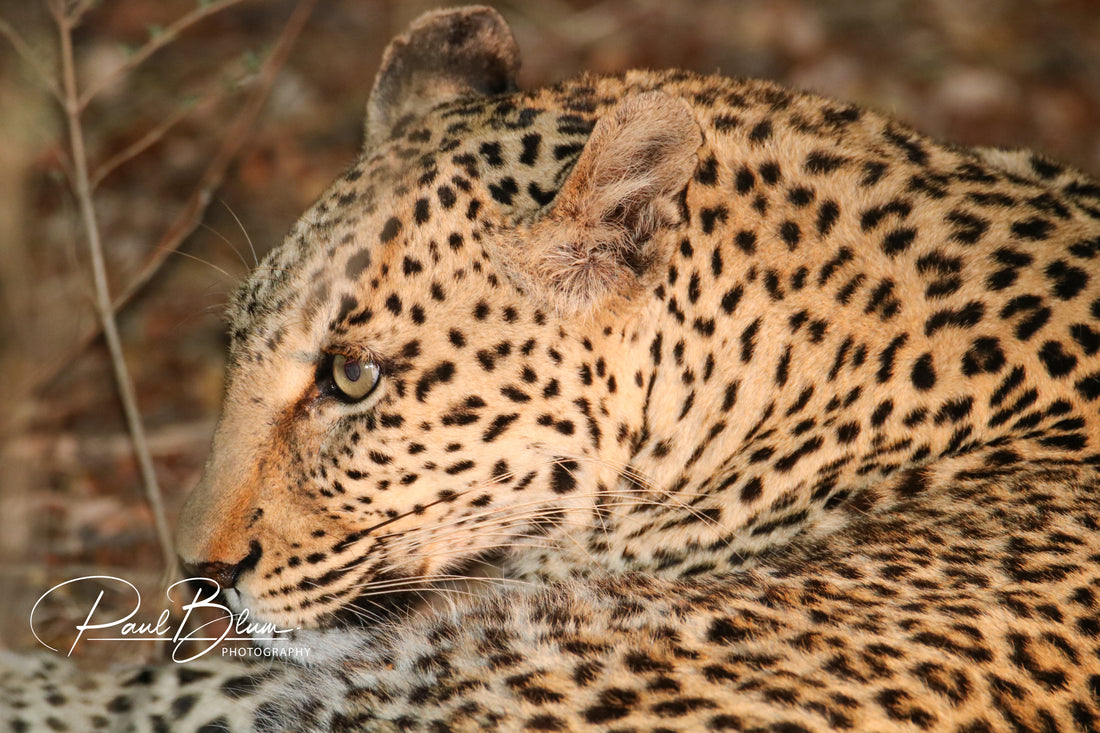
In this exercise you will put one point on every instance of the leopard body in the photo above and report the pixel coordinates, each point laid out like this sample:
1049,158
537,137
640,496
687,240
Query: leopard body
692,403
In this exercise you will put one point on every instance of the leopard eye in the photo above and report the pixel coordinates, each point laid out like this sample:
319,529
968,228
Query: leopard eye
352,380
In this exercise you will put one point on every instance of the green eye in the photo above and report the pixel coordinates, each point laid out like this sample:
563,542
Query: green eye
351,380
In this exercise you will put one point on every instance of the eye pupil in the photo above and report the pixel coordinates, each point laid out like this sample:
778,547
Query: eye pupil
348,379
352,370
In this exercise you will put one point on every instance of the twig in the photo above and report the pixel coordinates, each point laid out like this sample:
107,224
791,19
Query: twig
83,193
191,216
149,139
29,58
154,44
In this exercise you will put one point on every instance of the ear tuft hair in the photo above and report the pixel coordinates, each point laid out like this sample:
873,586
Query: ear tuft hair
601,234
444,55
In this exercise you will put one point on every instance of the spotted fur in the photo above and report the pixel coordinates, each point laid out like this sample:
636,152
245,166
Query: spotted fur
756,411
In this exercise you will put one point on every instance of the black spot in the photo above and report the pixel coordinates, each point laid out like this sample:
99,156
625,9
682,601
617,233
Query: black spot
504,191
707,173
983,357
1037,318
709,218
1057,362
460,467
514,394
843,256
819,162
800,196
1035,228
886,358
347,305
727,631
923,374
726,122
1086,249
847,432
954,410
844,295
746,241
540,197
567,150
969,228
772,285
882,298
613,703
760,132
770,172
898,240
390,230
873,216
782,370
790,234
704,326
909,145
882,412
716,262
472,209
966,317
1088,339
745,180
411,266
787,462
446,196
182,705
546,722
423,211
357,263
731,299
1067,281
487,359
730,398
1089,387
748,341
441,373
562,480
873,171
490,151
752,490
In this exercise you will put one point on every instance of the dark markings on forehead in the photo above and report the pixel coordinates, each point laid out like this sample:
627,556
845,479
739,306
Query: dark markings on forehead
513,152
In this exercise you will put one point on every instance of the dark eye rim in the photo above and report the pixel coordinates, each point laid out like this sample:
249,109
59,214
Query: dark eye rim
326,381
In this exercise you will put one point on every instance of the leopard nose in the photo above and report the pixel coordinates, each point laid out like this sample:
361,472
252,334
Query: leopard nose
225,574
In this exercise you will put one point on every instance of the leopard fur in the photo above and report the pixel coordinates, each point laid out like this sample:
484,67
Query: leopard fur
755,410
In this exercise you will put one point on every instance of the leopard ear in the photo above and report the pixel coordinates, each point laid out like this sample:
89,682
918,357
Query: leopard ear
444,55
603,231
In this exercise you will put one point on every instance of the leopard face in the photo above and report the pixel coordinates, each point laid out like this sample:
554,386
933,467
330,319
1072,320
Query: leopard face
653,322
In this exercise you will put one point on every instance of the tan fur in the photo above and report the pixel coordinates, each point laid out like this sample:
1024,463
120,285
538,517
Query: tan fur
768,412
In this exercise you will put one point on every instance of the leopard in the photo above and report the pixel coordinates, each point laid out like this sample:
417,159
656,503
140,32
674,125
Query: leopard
647,402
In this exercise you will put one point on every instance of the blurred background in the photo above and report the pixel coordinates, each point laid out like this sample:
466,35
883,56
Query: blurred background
191,186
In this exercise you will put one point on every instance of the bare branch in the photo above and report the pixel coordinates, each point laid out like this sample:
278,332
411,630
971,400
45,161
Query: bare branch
27,54
154,44
191,216
151,138
104,309
76,13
